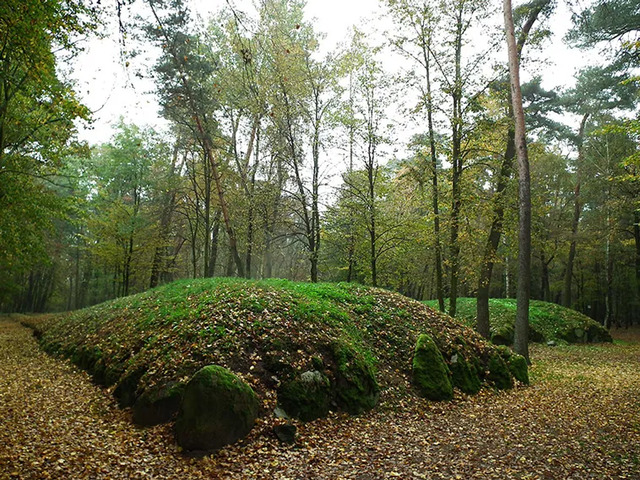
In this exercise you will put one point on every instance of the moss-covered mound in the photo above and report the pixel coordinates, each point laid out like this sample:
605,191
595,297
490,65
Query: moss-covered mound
547,321
309,348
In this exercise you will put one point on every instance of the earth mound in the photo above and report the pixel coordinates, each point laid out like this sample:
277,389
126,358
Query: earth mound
304,349
547,321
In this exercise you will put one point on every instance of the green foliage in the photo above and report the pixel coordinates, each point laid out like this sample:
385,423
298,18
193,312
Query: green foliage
37,115
607,21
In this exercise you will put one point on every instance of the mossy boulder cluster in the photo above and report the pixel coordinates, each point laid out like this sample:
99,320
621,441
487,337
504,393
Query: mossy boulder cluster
435,377
547,322
215,354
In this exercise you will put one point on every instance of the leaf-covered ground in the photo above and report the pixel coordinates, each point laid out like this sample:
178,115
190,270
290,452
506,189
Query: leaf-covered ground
579,419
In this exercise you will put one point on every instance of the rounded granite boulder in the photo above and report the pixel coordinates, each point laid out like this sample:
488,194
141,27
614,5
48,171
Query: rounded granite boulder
218,408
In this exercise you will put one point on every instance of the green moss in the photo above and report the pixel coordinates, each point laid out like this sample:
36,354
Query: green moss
307,397
159,405
547,321
502,335
499,374
431,375
519,369
264,329
356,388
218,408
463,375
127,389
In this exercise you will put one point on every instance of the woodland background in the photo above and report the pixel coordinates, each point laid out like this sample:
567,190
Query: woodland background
285,161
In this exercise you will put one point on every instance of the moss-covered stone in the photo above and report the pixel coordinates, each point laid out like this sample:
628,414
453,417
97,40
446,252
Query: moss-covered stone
464,375
518,367
499,374
503,335
217,409
596,333
307,397
431,376
127,389
158,405
356,388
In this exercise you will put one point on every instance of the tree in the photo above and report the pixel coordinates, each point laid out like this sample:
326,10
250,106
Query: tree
521,336
423,22
37,114
610,21
299,99
183,73
597,90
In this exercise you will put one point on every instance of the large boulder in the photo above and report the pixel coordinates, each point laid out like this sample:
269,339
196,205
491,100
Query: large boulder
356,388
499,374
464,375
431,376
218,408
158,405
516,364
307,397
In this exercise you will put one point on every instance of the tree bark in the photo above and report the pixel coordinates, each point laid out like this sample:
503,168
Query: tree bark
426,47
456,160
521,336
491,247
636,236
484,282
207,146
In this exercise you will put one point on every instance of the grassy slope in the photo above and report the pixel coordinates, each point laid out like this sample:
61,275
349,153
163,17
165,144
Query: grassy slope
265,331
547,321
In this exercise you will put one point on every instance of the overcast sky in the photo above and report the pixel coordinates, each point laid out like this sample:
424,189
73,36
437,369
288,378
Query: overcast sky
111,89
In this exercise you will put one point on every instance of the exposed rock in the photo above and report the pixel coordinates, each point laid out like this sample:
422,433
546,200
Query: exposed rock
218,408
285,433
126,390
307,397
158,406
516,364
463,375
356,388
431,375
499,374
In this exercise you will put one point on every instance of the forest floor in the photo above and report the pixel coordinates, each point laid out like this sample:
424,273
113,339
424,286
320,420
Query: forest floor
579,419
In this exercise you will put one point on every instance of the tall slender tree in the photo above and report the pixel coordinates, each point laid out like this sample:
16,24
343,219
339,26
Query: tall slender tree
521,336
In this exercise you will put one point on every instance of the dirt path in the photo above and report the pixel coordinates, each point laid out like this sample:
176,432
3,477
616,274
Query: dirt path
580,419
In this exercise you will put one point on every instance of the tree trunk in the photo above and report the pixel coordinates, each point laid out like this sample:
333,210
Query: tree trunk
545,286
456,160
636,237
577,211
484,282
491,247
213,256
521,336
205,140
426,47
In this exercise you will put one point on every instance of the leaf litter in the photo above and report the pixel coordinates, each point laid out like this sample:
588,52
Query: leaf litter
578,420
